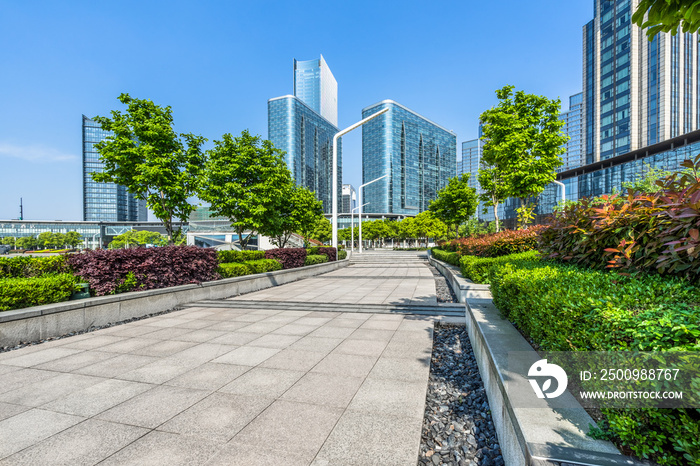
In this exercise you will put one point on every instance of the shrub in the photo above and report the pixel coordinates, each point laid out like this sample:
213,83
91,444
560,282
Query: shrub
315,259
330,252
27,267
649,232
107,271
226,257
497,244
445,256
312,250
290,258
238,269
476,268
564,307
17,293
342,254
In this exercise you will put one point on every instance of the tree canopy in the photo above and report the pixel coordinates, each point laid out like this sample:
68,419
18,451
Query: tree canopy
134,238
300,212
455,203
247,180
147,156
493,189
667,16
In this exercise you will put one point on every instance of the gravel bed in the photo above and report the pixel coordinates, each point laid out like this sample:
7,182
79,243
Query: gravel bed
80,332
442,289
457,426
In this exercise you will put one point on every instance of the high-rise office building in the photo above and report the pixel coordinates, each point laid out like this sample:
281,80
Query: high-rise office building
418,156
573,119
635,92
307,139
316,86
471,158
105,202
349,199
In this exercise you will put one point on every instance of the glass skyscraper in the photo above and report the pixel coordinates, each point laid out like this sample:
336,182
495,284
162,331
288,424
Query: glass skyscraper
635,92
307,139
573,119
418,155
349,199
471,158
315,85
105,202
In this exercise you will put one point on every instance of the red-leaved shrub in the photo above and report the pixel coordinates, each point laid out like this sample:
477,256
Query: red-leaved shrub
110,271
497,244
290,258
330,252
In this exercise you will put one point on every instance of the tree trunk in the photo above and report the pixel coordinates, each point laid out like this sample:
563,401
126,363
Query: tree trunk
495,214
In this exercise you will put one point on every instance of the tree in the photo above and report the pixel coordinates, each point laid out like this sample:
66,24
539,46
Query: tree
523,142
73,239
154,162
134,238
246,180
323,230
493,187
45,239
9,240
26,242
427,225
455,203
667,16
299,211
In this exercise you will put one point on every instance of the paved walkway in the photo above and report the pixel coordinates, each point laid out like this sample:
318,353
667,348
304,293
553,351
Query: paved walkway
227,386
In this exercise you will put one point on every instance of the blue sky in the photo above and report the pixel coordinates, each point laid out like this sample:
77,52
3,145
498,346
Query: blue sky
216,63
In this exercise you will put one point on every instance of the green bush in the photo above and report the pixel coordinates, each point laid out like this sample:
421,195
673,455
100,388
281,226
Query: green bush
237,269
28,266
477,268
312,251
342,254
226,257
315,259
17,293
567,308
445,256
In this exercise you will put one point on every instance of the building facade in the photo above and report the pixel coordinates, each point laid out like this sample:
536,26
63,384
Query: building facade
307,139
315,85
349,199
418,157
573,119
471,158
635,92
105,202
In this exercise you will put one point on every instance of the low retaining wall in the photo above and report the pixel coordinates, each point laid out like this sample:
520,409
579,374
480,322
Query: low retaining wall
539,435
53,320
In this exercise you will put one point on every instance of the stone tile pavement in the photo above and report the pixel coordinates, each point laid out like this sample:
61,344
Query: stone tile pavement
219,386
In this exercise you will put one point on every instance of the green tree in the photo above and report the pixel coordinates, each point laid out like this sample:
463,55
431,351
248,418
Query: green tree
246,180
523,141
300,211
73,239
455,203
427,225
493,189
667,16
45,240
323,230
26,242
154,162
9,240
135,238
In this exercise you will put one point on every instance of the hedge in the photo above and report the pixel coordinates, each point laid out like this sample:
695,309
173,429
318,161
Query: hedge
330,252
110,271
565,308
17,293
238,269
291,258
445,256
497,244
342,254
226,257
26,267
476,268
315,259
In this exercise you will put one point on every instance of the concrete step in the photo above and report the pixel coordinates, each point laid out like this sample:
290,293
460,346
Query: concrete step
442,309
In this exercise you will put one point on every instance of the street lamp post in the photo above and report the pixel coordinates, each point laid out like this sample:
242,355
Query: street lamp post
352,227
362,186
334,217
563,189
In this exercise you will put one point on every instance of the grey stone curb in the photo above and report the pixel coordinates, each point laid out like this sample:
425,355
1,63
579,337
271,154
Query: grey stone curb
528,436
53,320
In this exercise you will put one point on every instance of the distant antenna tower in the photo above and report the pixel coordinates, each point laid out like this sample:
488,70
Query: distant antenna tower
21,209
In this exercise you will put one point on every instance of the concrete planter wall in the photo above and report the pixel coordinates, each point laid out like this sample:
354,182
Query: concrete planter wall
52,320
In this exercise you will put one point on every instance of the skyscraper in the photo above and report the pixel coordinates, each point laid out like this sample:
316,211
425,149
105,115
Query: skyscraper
418,156
635,92
573,119
472,151
105,202
315,85
349,199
